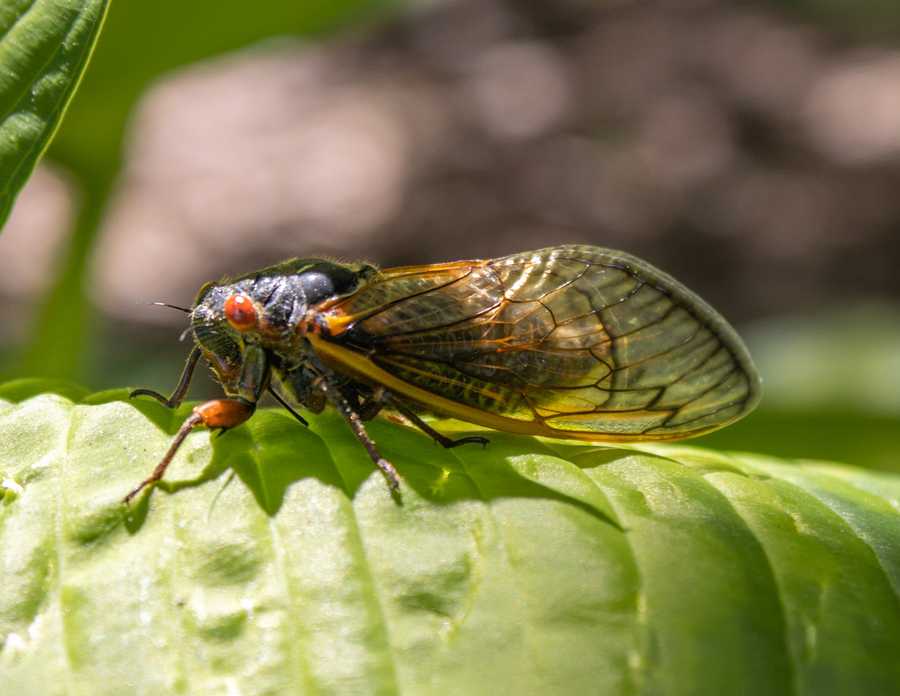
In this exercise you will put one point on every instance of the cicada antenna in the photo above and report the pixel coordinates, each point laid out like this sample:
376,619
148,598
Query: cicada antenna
171,306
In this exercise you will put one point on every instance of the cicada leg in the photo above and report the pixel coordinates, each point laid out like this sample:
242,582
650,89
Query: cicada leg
181,388
290,409
441,439
218,413
370,405
221,414
333,394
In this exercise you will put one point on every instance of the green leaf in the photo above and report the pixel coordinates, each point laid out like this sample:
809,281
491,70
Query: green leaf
44,48
145,42
272,560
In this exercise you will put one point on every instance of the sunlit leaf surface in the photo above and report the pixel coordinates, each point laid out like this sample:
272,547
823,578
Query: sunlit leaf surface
274,561
44,48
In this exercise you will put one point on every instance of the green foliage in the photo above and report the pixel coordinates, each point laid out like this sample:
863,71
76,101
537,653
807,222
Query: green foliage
44,48
868,440
142,41
826,395
273,560
864,18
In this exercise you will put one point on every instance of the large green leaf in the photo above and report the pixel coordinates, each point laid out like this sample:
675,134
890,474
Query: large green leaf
274,561
44,48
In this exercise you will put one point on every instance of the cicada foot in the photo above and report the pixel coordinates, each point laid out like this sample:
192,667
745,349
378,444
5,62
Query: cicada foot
390,473
440,438
180,390
161,398
334,395
448,443
218,414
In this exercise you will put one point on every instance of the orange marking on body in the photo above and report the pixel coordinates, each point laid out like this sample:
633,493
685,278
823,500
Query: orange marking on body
316,323
223,413
337,322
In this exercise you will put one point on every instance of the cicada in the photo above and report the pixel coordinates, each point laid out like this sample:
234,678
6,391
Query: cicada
567,342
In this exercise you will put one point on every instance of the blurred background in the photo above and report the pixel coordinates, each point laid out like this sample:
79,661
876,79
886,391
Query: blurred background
752,149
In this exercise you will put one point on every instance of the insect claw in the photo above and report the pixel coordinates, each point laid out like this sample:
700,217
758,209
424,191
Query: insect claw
146,483
390,473
470,440
149,392
280,399
192,421
183,383
127,499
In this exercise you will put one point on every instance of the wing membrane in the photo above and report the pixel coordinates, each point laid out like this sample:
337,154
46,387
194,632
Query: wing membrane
569,341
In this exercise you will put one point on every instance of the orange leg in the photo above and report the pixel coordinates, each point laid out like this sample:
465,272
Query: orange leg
218,413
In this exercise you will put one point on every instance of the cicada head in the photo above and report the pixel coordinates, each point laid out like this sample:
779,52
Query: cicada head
221,344
266,307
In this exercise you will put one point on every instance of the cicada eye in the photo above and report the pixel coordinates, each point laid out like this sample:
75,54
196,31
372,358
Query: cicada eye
240,312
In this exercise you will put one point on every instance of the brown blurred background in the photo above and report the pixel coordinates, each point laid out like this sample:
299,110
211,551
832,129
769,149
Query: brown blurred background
751,149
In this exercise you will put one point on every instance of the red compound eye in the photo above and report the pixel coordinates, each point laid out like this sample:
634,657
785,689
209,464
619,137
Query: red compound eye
240,312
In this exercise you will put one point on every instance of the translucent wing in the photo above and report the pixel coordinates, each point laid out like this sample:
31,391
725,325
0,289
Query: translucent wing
569,341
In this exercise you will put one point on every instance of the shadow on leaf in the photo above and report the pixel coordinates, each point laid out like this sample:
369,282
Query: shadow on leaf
272,452
268,454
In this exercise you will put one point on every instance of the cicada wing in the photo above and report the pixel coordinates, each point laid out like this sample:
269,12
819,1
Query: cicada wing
386,297
569,341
